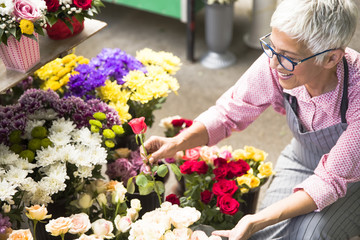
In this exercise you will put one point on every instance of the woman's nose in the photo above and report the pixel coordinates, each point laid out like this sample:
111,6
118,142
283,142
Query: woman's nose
274,62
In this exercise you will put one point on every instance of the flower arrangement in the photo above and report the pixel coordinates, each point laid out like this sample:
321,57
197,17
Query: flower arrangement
218,179
135,87
66,10
55,74
49,147
167,222
21,18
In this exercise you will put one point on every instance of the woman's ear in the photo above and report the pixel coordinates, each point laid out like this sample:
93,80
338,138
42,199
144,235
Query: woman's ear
333,58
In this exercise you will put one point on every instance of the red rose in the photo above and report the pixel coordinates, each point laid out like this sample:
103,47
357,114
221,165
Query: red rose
218,162
192,154
220,172
200,167
227,204
224,186
138,125
84,4
188,122
177,122
237,168
186,167
52,5
173,199
206,196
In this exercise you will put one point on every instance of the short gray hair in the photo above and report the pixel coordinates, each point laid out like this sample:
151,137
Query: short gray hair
319,24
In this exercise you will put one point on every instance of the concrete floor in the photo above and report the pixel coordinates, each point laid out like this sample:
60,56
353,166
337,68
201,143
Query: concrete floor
132,30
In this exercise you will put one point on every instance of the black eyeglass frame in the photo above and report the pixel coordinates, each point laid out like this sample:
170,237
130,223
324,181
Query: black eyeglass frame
294,64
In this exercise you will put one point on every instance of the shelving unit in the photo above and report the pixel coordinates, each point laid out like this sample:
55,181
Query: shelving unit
49,50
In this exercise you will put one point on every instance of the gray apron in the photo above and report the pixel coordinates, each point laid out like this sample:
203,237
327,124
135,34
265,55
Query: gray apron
340,220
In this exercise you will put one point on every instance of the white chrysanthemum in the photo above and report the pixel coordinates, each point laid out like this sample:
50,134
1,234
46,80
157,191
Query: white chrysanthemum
60,139
9,159
29,185
44,114
4,150
30,126
40,196
84,171
56,171
83,158
69,153
62,126
7,190
25,165
6,7
16,175
52,185
86,137
47,156
97,156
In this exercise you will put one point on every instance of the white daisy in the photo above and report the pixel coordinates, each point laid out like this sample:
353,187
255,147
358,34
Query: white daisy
16,175
60,139
62,126
7,190
9,159
46,156
6,7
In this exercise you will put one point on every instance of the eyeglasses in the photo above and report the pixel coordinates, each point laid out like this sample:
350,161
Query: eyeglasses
285,62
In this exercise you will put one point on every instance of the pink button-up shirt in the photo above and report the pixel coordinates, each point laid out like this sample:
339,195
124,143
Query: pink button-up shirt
258,88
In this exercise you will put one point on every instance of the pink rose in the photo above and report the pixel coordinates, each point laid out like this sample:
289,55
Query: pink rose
80,223
26,9
192,154
23,234
58,226
103,229
208,154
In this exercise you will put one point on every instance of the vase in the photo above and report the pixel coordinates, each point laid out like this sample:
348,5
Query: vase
260,22
60,30
251,200
20,55
218,35
56,209
148,202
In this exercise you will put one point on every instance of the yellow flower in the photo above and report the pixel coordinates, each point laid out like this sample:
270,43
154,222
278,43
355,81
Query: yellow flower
112,92
259,155
37,212
26,26
239,154
68,58
135,79
122,109
249,179
265,170
250,151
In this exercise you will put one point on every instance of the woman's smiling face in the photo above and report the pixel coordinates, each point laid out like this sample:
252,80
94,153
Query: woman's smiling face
306,73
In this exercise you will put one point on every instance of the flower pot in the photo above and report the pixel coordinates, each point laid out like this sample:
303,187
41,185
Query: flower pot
56,209
218,35
251,199
60,30
260,22
20,55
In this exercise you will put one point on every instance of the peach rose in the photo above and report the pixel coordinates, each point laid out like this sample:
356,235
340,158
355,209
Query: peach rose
122,224
103,229
37,212
22,234
80,223
59,226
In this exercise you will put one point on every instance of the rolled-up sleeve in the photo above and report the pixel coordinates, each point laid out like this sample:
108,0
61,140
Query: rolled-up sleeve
239,106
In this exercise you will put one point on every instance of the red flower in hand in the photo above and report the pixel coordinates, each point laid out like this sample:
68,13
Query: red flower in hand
84,4
224,186
138,125
173,199
227,204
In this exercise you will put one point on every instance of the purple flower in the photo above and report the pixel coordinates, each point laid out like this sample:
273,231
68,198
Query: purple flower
112,116
121,168
4,223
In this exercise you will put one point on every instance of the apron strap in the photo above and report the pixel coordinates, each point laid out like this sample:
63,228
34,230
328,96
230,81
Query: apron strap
344,99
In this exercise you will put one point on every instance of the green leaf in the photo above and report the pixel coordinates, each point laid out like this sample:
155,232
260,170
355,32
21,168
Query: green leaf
130,185
141,180
160,186
147,189
162,170
176,171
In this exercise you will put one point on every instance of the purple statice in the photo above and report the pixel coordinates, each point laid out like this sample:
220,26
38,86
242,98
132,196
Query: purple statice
111,64
4,223
36,99
112,116
12,117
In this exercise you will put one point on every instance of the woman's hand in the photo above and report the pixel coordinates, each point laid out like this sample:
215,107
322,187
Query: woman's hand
161,147
242,231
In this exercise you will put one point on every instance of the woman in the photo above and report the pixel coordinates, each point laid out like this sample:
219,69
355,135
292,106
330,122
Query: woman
307,73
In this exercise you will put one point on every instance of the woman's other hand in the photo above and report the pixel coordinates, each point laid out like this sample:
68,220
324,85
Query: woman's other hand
242,231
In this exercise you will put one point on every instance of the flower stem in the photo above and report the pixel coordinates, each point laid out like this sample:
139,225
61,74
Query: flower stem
35,223
62,236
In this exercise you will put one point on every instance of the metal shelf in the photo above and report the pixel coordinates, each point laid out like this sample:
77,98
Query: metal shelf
49,50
